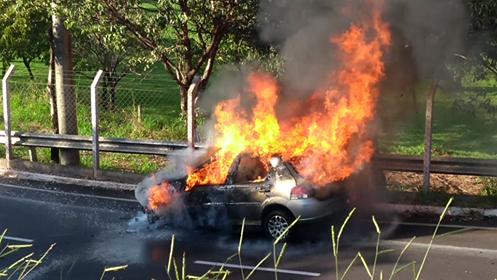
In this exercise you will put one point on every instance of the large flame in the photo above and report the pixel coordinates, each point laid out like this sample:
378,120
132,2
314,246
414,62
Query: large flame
326,143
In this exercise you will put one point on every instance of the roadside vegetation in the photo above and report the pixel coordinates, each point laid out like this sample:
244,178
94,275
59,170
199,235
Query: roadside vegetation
147,107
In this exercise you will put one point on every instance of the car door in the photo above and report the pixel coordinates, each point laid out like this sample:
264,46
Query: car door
208,205
247,189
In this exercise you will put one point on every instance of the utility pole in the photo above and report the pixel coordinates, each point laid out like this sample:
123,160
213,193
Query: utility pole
64,87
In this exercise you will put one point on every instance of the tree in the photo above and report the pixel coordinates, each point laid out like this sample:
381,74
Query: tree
185,35
102,45
64,86
483,35
24,27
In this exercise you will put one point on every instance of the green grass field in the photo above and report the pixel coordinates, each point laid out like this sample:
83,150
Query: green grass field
147,107
462,127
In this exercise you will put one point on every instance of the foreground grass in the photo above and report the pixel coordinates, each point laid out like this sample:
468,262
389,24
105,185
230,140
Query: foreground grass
19,267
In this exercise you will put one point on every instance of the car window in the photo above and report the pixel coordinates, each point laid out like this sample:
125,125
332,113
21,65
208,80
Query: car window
250,169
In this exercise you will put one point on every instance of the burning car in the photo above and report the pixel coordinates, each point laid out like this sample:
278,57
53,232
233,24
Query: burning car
322,136
270,194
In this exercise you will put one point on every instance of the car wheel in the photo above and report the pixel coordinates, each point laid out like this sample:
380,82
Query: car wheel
276,222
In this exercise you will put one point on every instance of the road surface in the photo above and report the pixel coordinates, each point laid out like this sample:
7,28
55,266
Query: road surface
95,229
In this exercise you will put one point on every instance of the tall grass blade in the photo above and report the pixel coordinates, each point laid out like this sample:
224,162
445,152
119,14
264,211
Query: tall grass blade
443,235
37,262
349,266
116,268
386,251
285,232
240,249
169,262
344,224
364,263
183,267
394,269
336,241
411,263
418,274
280,256
258,265
3,234
176,271
376,254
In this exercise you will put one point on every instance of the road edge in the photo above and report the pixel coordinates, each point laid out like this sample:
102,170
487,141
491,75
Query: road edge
453,211
25,175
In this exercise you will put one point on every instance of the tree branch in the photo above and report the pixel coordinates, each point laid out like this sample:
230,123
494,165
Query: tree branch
143,38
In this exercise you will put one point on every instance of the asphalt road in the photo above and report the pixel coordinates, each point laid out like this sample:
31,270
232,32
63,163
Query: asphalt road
95,229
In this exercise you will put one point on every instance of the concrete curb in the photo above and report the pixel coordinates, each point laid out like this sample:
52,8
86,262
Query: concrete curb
436,210
76,172
66,180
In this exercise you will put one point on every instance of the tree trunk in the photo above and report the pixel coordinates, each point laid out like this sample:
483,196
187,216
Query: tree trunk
54,152
183,92
64,88
428,135
27,64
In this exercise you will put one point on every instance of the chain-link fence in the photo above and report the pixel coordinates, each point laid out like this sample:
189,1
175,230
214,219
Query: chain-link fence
135,107
31,109
140,108
132,106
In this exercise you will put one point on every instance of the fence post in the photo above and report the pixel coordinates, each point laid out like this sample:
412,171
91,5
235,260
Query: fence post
6,113
428,135
94,122
190,114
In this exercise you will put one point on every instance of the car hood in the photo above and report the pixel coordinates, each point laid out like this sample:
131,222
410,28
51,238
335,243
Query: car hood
142,189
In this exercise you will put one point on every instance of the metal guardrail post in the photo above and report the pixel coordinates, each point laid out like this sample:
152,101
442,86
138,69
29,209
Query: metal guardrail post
6,113
94,123
428,135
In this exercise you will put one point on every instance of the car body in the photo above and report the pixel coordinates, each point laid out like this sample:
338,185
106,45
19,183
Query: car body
269,194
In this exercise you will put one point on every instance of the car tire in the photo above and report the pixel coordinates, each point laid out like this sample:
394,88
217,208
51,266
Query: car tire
276,222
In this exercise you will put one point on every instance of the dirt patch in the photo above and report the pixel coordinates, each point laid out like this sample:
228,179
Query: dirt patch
450,184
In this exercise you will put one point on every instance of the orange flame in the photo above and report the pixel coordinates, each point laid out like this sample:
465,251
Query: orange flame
159,196
330,140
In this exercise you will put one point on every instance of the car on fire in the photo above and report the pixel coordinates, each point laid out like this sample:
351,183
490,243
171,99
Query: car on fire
271,195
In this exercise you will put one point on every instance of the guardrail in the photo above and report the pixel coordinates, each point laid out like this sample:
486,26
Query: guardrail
78,142
458,166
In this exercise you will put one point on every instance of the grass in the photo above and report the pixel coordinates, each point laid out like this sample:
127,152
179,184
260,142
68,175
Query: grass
20,267
462,127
